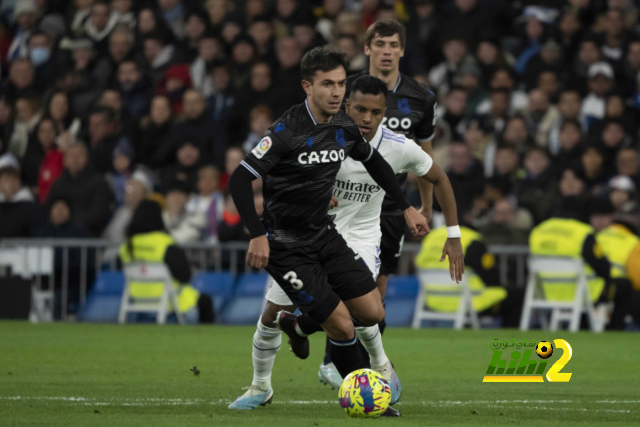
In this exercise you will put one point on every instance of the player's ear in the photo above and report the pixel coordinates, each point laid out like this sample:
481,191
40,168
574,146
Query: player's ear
367,51
306,86
402,53
347,106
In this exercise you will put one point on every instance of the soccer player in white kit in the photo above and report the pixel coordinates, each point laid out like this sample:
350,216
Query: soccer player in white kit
357,204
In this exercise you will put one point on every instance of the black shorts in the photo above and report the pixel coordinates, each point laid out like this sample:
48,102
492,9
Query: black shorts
318,275
392,227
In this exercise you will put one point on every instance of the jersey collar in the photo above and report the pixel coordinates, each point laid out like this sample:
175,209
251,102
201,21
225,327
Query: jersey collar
313,119
377,138
397,84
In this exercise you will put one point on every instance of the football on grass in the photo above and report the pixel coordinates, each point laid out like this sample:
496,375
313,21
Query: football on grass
364,394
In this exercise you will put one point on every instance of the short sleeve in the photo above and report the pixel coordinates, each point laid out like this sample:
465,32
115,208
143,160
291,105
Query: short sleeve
362,150
425,129
413,159
269,151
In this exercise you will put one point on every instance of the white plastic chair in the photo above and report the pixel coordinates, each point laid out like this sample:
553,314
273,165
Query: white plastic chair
149,273
465,314
560,310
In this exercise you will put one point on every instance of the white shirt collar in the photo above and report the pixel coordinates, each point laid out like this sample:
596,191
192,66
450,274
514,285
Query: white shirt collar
377,138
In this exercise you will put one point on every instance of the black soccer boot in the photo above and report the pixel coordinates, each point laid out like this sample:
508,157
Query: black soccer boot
391,412
286,322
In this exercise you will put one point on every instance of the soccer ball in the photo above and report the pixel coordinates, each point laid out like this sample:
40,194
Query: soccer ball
544,349
364,394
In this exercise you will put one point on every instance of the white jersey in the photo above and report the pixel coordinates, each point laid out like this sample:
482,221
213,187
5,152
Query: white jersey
360,198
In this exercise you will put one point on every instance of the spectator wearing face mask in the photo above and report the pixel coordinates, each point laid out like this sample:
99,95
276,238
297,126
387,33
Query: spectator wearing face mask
41,55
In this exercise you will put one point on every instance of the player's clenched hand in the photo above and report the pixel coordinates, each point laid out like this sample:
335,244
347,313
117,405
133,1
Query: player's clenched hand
258,254
416,222
453,250
426,211
333,203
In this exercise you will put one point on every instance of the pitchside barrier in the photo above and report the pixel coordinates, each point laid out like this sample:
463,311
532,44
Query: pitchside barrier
65,269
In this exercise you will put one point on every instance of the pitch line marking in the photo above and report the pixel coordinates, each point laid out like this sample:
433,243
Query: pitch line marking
151,401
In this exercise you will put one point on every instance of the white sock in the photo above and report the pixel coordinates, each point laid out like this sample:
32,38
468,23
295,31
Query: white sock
371,339
266,343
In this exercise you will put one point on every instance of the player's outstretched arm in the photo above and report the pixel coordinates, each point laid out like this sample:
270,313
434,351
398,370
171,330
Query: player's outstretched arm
384,176
242,194
446,198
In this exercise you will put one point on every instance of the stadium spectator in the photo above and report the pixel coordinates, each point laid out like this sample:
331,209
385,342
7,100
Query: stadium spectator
188,161
100,24
466,176
42,162
222,98
86,191
135,89
623,195
232,159
28,115
17,207
173,12
628,164
41,47
508,225
200,70
184,226
260,119
601,79
174,84
208,201
455,56
154,133
120,48
103,138
25,14
196,24
60,223
199,129
121,171
159,54
136,190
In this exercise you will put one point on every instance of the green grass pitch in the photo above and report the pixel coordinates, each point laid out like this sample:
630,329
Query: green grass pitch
138,375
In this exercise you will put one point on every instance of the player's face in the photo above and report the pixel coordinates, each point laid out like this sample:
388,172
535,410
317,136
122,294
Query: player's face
385,52
327,90
367,111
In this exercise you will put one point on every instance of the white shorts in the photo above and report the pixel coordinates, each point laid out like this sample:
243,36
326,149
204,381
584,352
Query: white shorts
370,255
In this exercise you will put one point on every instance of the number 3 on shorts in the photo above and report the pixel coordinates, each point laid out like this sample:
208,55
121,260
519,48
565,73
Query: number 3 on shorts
292,277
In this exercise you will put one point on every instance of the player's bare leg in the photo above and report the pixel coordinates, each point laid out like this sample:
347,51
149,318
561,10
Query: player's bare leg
266,343
381,283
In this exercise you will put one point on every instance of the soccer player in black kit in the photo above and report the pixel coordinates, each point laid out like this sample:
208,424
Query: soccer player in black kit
296,241
411,110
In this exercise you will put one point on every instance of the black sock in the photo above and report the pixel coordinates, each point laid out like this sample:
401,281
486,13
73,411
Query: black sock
307,325
382,325
364,354
346,356
327,352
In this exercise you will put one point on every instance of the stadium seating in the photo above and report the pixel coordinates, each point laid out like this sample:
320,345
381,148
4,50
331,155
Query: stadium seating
400,300
219,286
246,306
103,302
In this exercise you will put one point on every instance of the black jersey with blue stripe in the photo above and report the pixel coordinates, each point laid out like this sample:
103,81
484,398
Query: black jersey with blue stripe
298,160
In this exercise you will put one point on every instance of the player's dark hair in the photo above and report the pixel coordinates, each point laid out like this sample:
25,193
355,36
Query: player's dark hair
324,58
385,28
369,85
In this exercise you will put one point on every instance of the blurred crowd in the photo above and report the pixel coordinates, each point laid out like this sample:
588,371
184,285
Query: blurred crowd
106,103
